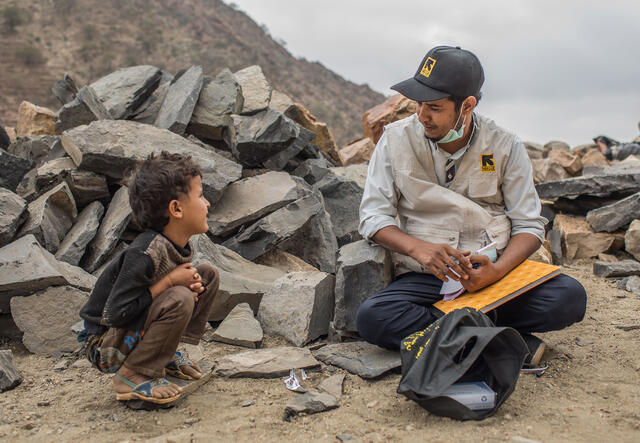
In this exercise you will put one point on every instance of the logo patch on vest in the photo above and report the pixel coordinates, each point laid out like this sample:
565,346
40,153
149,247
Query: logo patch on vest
429,63
486,163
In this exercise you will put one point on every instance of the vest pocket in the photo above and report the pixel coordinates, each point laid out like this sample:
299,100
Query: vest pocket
499,231
432,234
483,186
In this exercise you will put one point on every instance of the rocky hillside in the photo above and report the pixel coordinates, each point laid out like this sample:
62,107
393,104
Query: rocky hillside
40,40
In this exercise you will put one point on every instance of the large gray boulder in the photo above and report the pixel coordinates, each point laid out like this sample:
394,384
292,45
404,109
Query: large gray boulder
219,99
362,271
51,216
182,96
266,363
256,90
12,170
241,281
34,148
342,201
247,200
148,111
615,216
315,242
73,246
261,136
9,375
270,231
111,147
621,268
357,173
82,110
298,307
86,186
46,319
596,185
13,213
124,90
632,239
113,225
312,170
26,267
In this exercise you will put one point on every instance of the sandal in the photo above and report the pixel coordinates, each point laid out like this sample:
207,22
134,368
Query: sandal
173,368
143,391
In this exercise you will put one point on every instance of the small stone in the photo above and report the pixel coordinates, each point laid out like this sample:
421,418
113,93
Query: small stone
65,90
309,403
62,365
247,403
284,261
44,403
628,327
519,439
333,385
344,437
578,239
372,404
630,284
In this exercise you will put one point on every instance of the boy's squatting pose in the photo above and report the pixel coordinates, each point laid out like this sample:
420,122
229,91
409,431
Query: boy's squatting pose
151,297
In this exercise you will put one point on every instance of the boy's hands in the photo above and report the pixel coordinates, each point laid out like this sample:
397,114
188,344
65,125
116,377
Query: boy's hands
187,275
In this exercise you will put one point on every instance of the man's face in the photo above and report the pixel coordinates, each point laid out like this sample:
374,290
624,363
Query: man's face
437,117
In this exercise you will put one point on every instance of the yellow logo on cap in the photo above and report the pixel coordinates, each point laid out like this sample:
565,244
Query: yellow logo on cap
429,63
487,164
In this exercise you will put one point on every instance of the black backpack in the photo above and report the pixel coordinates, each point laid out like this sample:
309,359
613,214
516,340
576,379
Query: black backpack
462,346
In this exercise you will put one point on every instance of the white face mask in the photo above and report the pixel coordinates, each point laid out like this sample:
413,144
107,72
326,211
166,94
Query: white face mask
453,135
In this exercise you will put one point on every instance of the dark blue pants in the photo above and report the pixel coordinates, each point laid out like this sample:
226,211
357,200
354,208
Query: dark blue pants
405,306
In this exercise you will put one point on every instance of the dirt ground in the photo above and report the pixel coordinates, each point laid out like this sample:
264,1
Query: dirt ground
591,392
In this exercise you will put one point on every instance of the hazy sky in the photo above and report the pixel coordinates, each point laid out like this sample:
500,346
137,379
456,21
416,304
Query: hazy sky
554,70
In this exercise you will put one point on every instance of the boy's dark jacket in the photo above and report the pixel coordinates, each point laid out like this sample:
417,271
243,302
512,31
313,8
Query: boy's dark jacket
121,296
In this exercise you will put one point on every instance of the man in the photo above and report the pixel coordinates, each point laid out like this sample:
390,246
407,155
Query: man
445,182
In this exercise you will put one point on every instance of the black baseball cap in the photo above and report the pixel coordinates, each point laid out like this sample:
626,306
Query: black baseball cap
443,72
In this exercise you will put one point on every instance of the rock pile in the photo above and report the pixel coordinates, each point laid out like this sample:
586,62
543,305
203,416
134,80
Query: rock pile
282,213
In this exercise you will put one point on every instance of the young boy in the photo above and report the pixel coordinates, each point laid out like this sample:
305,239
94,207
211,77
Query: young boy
151,298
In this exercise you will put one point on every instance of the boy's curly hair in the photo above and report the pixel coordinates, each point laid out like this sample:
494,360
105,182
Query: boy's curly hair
154,183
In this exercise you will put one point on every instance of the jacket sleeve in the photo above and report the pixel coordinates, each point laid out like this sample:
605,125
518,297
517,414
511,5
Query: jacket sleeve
520,196
378,207
130,295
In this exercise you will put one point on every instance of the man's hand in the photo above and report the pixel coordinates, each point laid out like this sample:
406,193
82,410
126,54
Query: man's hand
485,274
438,258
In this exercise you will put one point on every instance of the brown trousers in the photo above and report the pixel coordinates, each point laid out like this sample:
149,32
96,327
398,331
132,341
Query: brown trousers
173,316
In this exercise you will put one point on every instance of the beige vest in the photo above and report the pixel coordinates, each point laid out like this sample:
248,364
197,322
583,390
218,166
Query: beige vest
470,213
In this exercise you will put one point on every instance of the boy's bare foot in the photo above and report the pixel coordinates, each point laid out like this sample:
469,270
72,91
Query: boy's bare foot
192,371
121,387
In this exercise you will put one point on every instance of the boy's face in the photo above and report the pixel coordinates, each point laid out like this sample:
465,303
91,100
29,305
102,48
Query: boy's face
195,208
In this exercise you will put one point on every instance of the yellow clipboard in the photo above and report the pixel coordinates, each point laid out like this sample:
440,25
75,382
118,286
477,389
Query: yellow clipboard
523,277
